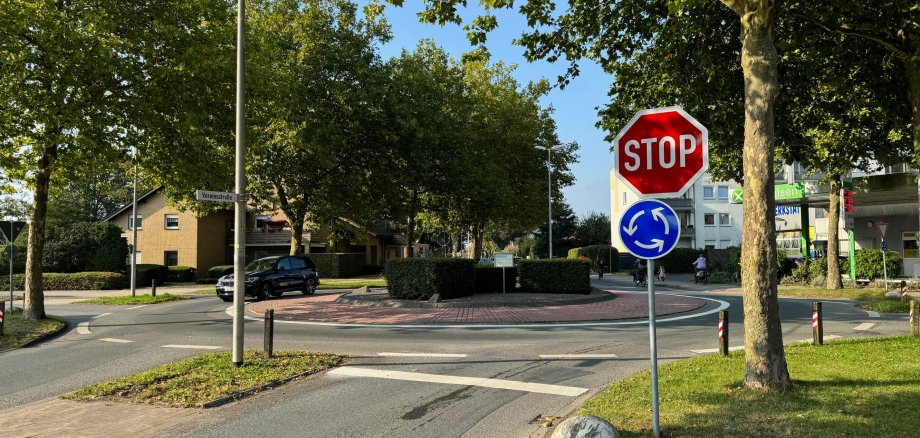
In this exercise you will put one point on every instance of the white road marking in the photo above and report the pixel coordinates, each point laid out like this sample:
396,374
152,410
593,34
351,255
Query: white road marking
101,315
827,337
873,314
116,340
389,354
192,347
864,326
137,307
83,328
716,350
578,356
541,388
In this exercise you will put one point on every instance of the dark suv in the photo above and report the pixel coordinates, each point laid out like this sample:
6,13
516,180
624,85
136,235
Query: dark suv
272,276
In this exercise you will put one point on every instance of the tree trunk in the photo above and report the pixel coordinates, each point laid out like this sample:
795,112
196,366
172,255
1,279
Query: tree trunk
34,307
476,241
297,224
764,362
455,245
833,242
410,235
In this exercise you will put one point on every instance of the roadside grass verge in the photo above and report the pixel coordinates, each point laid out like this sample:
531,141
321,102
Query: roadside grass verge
872,298
835,394
129,300
18,332
352,283
193,381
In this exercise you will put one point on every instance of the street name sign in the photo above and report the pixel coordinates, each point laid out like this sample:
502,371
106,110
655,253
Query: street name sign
649,229
205,195
661,152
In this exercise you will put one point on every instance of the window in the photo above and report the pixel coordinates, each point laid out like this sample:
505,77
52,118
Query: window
725,244
297,263
910,245
708,192
172,221
624,198
140,222
171,258
710,244
709,220
284,264
725,220
723,192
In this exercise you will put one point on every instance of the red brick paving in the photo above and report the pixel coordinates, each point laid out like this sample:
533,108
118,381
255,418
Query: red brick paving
626,305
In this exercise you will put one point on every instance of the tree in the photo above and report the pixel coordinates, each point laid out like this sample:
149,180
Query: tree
314,109
88,200
593,229
565,224
605,31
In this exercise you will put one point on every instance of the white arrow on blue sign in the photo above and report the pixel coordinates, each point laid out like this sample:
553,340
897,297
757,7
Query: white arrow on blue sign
649,229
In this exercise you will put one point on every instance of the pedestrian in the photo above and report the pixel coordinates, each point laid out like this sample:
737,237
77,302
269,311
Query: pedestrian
661,273
600,268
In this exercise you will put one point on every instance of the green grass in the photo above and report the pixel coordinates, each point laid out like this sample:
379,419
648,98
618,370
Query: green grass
835,394
18,332
872,298
352,283
195,380
129,300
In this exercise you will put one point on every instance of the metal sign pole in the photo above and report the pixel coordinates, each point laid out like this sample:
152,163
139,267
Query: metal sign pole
653,345
239,257
11,269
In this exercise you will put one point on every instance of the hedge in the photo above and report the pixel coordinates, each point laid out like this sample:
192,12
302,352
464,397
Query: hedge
869,264
338,265
597,253
555,276
148,272
419,278
181,274
489,279
86,246
73,281
220,271
680,260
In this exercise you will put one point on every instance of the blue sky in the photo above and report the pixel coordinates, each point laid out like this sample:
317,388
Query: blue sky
575,111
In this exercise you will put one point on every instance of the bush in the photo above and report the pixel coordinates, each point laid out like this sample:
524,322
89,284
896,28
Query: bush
220,271
205,281
372,270
869,264
489,279
721,277
420,278
596,253
147,272
338,265
555,276
181,274
680,260
86,246
74,281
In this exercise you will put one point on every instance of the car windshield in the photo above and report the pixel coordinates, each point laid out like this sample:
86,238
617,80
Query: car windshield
262,264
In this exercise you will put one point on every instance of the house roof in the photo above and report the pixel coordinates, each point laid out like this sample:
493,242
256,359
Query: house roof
140,197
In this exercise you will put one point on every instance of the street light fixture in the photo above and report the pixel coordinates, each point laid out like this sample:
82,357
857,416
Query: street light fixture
549,192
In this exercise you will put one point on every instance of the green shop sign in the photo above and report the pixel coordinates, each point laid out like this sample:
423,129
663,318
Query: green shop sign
784,192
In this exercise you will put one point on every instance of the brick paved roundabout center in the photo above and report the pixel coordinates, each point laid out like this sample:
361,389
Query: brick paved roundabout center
515,308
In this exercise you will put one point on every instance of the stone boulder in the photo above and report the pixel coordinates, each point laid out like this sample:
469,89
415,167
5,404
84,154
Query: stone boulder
585,426
893,294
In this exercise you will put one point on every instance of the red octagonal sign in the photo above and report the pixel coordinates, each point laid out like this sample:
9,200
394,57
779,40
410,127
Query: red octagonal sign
661,152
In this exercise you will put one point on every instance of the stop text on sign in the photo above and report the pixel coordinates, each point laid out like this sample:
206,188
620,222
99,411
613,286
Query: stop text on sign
661,152
667,152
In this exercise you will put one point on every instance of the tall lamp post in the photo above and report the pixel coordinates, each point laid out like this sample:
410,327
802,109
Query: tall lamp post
134,231
239,232
549,192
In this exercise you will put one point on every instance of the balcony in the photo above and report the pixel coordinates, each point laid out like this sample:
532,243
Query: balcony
679,204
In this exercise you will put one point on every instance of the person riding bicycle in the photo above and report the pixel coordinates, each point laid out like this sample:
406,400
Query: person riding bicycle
640,274
700,265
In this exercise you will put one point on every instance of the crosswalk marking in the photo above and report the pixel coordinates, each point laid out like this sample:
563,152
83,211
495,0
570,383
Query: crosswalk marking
864,326
578,356
541,388
116,340
192,347
444,355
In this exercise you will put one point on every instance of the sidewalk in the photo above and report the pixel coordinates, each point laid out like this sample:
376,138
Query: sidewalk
69,296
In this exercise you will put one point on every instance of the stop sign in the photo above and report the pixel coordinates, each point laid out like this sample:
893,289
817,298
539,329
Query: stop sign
661,152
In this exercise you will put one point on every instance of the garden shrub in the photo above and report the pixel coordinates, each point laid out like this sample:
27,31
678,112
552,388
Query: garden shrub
680,260
86,246
869,264
206,281
338,265
74,281
489,279
181,274
555,276
419,278
220,271
146,273
595,253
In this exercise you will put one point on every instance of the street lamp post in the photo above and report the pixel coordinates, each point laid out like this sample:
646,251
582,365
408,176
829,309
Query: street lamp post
239,232
549,192
134,231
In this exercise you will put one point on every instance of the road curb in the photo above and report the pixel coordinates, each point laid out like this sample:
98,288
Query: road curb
239,395
46,337
601,295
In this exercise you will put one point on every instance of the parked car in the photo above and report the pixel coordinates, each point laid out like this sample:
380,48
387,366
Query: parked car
272,276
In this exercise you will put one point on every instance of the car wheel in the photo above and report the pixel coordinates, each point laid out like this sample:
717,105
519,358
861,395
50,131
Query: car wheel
265,292
227,299
309,287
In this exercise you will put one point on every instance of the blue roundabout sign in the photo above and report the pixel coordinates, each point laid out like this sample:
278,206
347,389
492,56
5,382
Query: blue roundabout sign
649,229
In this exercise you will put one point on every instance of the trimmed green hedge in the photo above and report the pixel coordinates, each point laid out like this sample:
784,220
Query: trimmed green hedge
147,272
596,253
555,276
338,265
680,260
181,274
220,271
85,246
869,264
73,281
420,278
206,281
489,279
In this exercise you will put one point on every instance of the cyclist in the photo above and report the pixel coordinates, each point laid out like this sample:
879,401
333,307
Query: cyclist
700,265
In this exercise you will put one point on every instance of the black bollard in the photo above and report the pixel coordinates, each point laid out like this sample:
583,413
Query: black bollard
269,331
153,287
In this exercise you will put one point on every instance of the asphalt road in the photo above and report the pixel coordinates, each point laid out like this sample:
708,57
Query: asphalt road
448,392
